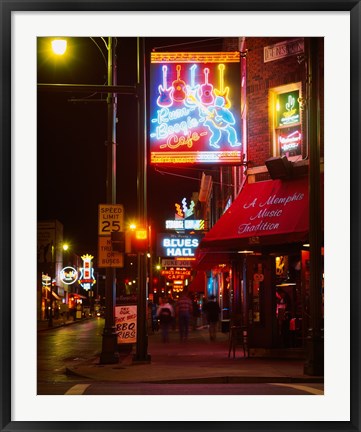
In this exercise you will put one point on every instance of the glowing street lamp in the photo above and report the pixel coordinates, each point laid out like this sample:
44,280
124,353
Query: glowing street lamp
59,46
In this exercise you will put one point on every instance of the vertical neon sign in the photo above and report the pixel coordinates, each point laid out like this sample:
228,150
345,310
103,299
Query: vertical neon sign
87,279
195,108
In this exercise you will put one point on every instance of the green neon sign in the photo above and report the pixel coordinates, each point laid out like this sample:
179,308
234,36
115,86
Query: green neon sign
288,108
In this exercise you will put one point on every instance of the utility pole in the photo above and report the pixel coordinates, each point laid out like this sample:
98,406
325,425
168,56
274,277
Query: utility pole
314,364
141,354
109,354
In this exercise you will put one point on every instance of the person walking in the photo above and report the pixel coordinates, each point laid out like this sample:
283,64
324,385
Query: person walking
165,313
184,311
212,310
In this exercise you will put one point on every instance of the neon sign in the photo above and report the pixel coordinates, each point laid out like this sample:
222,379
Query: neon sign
87,279
195,108
185,224
289,141
288,108
177,245
45,279
176,273
68,275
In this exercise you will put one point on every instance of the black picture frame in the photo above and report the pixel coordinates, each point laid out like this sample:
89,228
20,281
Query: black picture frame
6,9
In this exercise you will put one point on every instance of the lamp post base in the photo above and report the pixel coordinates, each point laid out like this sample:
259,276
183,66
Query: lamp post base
314,364
109,354
141,359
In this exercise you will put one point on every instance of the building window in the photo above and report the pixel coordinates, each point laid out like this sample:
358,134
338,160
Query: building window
286,121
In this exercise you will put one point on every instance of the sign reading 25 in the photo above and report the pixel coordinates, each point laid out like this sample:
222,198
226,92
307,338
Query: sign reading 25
111,218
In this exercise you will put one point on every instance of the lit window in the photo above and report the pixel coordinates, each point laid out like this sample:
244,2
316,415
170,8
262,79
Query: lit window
286,120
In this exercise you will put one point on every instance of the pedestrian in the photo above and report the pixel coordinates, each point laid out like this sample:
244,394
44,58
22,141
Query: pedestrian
165,313
184,309
196,312
153,316
212,310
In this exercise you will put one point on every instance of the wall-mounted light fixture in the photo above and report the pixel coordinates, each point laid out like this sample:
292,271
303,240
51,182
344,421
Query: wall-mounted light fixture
279,167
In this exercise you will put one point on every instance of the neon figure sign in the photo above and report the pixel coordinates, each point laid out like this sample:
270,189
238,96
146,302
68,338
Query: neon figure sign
195,108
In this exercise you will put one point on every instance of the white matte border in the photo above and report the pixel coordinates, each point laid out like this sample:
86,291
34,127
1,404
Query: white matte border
335,404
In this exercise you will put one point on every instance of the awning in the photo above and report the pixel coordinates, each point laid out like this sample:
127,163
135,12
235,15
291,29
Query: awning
77,296
198,284
263,214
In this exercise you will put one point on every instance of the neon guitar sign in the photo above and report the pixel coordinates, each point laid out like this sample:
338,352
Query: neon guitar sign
223,91
195,108
164,98
179,87
206,93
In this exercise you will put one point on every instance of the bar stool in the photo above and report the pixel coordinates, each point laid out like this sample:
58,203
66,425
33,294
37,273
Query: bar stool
238,336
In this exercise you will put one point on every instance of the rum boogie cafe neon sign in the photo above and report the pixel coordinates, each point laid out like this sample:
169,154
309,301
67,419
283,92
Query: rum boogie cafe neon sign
174,245
195,108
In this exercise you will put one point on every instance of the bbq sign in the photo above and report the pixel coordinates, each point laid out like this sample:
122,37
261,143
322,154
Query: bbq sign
126,323
195,108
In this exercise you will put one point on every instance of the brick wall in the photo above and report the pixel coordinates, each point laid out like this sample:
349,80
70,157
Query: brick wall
261,77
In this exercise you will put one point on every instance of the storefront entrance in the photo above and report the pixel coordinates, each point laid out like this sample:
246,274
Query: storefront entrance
273,300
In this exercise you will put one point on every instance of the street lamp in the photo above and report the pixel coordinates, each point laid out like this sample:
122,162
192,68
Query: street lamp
59,46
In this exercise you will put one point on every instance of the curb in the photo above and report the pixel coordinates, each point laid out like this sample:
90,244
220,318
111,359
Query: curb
212,380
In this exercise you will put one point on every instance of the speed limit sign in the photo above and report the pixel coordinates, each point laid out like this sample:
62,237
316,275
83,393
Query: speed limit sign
111,219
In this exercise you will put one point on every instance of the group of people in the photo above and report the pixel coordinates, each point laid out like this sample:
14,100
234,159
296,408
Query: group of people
184,311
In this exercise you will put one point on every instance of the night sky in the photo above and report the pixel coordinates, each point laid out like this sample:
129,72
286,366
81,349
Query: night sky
71,136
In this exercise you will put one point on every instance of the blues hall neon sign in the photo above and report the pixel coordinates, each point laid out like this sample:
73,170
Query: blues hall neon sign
195,108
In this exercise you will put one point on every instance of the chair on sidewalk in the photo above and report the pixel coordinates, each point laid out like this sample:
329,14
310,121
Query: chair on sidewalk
238,336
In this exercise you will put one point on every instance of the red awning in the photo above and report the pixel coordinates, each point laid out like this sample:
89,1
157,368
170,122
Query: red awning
198,284
263,214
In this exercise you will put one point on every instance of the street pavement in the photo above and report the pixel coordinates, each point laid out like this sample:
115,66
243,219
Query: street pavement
198,360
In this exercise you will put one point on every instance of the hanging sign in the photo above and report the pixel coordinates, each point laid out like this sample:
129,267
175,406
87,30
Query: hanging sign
68,275
176,273
86,279
177,245
45,279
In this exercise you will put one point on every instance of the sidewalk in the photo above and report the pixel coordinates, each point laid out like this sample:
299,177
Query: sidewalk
57,322
196,361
